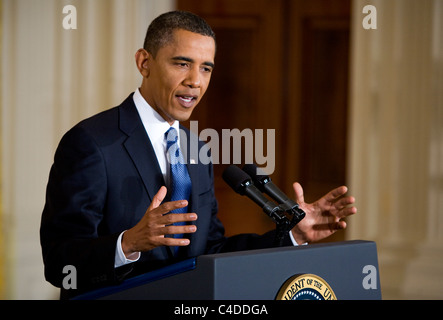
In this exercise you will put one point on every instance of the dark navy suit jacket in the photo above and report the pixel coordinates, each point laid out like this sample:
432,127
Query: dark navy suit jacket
104,176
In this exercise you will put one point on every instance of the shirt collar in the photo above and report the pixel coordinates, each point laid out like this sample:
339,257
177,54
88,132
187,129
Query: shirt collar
153,122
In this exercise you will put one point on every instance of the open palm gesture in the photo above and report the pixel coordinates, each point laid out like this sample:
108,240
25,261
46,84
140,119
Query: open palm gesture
323,217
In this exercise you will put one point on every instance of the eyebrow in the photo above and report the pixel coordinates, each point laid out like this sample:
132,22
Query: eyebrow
181,58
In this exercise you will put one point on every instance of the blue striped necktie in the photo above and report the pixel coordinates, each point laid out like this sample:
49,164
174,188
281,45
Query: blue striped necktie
180,182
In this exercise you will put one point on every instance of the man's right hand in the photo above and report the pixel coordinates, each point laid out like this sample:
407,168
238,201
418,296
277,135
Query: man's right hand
150,231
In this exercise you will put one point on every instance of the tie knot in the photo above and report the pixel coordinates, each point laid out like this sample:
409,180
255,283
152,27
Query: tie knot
171,137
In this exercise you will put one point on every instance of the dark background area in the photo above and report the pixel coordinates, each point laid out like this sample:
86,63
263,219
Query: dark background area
280,65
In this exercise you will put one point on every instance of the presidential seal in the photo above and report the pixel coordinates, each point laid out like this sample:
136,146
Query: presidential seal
306,287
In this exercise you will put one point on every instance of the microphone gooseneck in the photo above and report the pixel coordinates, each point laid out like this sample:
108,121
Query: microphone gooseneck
286,214
264,183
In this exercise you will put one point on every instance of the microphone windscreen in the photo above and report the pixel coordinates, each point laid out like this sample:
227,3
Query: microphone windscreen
235,177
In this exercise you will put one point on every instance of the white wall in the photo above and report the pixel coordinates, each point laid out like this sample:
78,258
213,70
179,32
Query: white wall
51,79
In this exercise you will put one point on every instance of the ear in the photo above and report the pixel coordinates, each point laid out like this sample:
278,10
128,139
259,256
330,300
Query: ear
142,59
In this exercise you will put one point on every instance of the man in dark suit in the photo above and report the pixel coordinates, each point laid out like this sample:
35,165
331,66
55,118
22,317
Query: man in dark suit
107,210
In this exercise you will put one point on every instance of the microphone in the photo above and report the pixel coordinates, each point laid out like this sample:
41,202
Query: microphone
265,184
242,183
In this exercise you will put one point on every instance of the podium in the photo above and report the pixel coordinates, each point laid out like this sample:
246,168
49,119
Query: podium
348,270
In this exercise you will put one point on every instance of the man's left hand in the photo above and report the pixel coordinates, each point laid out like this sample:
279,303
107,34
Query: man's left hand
324,216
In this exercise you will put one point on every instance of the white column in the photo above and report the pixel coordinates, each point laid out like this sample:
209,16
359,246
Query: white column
395,107
424,275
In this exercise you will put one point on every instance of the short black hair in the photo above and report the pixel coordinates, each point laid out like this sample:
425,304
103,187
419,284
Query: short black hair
161,29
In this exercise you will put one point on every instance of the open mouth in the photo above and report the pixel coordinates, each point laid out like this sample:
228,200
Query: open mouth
186,101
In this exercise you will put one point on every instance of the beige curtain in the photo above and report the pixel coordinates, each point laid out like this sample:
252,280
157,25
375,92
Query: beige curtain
52,78
396,144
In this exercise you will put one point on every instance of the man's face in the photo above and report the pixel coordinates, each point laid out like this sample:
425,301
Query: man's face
177,78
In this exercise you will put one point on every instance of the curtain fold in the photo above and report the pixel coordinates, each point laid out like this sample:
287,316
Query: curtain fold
52,78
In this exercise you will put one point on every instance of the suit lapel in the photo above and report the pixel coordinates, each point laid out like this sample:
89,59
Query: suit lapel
139,148
142,153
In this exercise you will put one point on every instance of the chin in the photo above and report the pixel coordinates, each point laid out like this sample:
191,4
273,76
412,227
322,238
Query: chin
183,116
